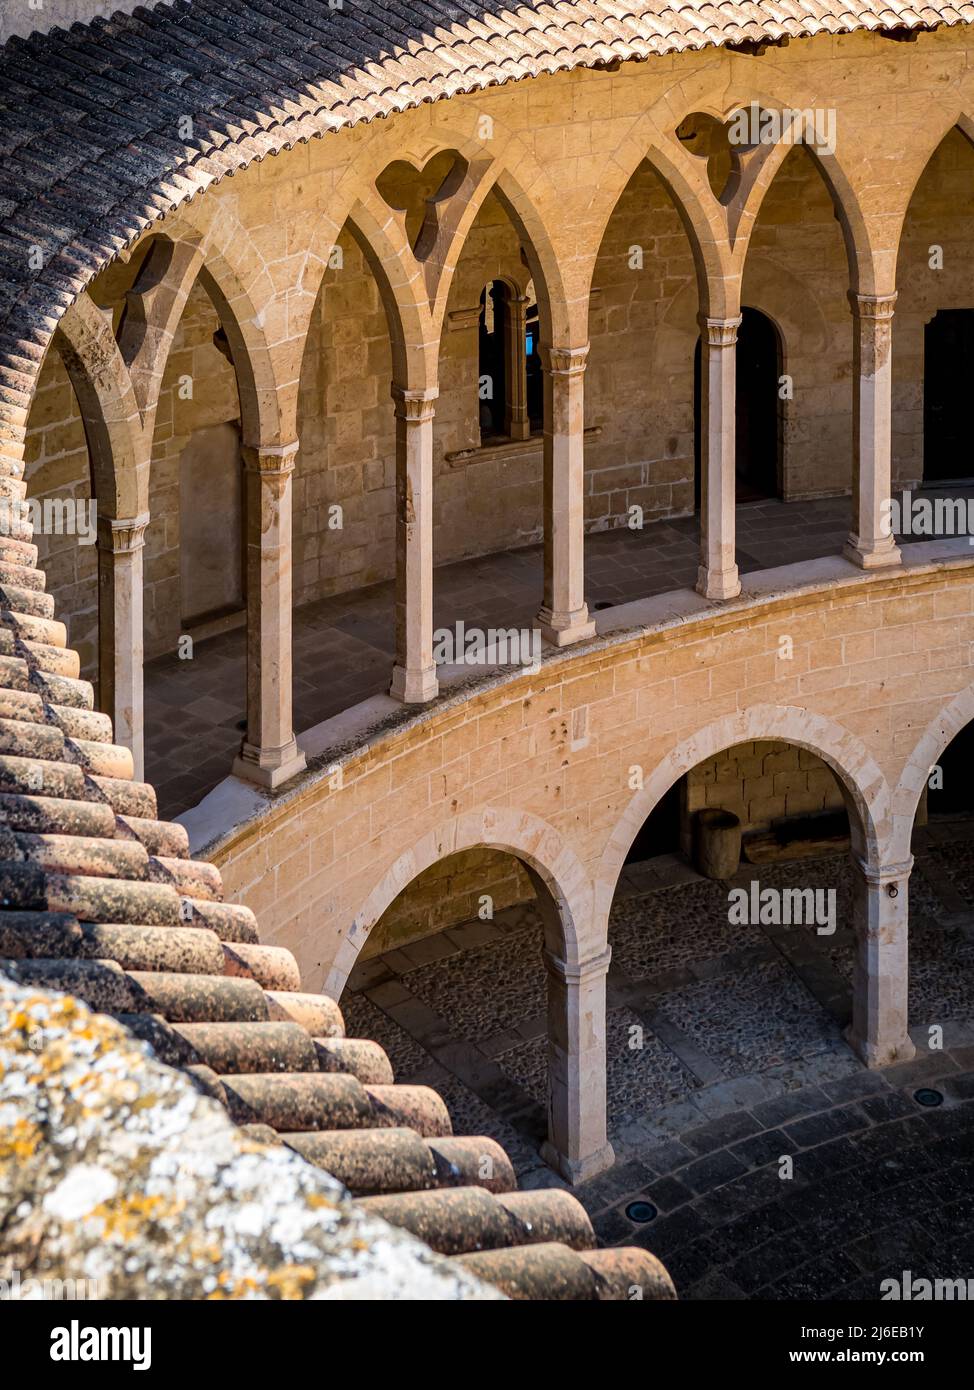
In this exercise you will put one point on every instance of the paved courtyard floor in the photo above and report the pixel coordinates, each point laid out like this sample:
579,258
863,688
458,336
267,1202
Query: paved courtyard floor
725,1053
344,646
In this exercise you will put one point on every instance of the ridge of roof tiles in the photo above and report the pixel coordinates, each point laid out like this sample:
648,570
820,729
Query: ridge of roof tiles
100,900
84,172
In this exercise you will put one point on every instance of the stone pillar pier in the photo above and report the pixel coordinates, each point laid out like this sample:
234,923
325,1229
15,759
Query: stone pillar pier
269,754
869,544
564,615
880,1027
414,674
577,1146
121,642
517,423
717,576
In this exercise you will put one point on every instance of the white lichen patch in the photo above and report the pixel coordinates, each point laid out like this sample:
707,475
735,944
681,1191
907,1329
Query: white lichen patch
116,1168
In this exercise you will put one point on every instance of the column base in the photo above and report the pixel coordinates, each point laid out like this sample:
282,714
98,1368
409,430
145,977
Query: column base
578,1170
876,1055
414,687
268,767
872,556
562,629
718,584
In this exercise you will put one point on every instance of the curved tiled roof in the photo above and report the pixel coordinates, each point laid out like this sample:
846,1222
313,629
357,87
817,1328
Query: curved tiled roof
99,899
90,147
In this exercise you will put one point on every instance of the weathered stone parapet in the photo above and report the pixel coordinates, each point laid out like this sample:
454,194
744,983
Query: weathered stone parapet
117,1173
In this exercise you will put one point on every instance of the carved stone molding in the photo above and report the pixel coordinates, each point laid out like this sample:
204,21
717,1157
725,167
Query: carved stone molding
720,332
559,361
122,535
415,407
270,460
872,306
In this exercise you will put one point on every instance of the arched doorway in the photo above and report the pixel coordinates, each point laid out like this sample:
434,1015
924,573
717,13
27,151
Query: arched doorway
948,350
757,444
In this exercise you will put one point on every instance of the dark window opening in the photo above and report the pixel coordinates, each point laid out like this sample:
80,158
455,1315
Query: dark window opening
948,350
492,372
661,831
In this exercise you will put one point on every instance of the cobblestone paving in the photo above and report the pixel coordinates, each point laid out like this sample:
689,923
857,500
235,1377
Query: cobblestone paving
724,1054
344,646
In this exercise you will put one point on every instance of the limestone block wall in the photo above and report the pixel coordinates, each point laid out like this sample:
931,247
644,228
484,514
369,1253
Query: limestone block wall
199,391
347,433
797,273
639,379
762,782
449,893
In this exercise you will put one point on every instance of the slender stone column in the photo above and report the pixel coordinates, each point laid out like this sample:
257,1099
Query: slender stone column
869,544
414,674
577,1146
121,642
717,577
564,614
518,423
269,755
880,1024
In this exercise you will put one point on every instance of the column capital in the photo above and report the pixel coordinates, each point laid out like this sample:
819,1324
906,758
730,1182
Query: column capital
564,361
872,306
123,534
415,406
577,973
720,332
269,459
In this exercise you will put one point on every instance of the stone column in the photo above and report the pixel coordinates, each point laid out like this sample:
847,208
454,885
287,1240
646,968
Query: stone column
121,641
269,754
564,614
869,544
717,577
414,674
577,1146
880,1026
517,423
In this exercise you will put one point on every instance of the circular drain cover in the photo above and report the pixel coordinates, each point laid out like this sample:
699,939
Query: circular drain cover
928,1096
641,1212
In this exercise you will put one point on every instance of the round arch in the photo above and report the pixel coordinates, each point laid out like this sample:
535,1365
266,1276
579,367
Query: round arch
929,748
864,786
552,863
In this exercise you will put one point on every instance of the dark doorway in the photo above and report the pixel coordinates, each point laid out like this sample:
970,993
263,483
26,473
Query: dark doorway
949,783
660,833
492,369
948,351
757,436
